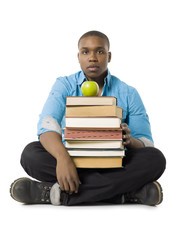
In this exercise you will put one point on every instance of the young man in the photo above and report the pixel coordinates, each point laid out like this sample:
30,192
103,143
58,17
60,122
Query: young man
49,162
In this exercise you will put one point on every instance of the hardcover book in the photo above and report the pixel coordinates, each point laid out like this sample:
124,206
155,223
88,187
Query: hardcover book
94,111
94,144
97,162
96,153
88,134
81,100
108,122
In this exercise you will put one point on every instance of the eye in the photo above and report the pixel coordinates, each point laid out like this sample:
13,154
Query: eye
84,52
100,52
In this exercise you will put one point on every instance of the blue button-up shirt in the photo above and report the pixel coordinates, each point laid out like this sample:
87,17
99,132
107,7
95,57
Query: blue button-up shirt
52,117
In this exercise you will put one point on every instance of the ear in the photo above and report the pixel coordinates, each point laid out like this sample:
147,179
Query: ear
109,57
78,56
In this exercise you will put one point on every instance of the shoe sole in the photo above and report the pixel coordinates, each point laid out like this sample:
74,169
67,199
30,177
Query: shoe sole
12,188
160,192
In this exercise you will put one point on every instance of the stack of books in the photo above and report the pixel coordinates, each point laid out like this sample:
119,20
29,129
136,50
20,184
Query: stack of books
93,136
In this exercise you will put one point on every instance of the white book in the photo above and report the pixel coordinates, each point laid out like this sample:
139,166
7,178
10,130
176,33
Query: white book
94,144
82,100
93,122
96,153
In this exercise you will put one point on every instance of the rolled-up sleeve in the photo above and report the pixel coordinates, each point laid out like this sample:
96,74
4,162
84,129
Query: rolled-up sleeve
54,109
137,118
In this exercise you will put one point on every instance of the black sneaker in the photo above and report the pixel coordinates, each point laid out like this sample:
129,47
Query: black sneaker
27,191
151,194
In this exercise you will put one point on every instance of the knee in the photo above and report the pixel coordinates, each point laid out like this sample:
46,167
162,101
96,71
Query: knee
156,158
29,156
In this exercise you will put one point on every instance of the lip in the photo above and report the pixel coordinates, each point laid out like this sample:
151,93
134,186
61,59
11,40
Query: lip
93,67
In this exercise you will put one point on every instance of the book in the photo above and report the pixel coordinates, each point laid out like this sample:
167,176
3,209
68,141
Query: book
108,122
94,111
97,162
94,144
81,100
96,153
92,134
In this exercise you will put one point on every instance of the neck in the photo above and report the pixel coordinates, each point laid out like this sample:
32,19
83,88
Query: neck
99,80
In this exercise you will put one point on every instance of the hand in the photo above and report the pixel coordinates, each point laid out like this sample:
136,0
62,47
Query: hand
129,141
126,134
67,176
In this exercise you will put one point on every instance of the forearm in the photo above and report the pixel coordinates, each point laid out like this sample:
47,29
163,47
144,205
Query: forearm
52,142
66,172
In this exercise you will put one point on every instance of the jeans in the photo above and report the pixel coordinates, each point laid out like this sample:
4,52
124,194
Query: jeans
141,166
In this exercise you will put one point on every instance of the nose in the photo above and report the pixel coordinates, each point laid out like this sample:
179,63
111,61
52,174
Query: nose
92,57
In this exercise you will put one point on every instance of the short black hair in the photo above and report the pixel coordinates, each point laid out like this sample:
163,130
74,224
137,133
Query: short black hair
97,34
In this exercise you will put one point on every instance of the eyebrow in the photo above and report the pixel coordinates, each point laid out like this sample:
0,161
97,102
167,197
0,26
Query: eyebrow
95,48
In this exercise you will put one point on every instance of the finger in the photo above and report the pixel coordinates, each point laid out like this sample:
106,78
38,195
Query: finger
125,143
124,125
127,136
77,186
126,129
124,137
72,187
61,185
127,139
66,186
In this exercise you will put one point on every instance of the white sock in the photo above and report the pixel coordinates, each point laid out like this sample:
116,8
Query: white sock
55,194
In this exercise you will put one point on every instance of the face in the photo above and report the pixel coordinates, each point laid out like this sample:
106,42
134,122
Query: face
94,57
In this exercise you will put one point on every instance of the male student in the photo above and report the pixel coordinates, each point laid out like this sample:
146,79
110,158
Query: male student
47,160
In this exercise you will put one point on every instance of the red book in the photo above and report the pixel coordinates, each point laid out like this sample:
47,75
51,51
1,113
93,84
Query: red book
78,134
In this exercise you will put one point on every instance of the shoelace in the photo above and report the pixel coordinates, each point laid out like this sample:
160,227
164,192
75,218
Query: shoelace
130,198
45,194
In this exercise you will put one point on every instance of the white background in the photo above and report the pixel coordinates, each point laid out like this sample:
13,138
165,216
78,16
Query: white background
38,42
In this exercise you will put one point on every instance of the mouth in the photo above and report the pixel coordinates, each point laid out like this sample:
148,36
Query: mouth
93,68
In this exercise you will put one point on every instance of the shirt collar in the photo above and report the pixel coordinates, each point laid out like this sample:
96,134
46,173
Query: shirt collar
82,78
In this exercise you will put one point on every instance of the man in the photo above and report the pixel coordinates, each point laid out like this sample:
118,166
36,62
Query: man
49,162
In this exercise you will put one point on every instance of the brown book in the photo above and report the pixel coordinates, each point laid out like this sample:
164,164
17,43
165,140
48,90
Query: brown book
97,162
88,134
94,111
82,100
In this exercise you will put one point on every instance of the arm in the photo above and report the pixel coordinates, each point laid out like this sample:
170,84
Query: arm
136,129
49,132
66,172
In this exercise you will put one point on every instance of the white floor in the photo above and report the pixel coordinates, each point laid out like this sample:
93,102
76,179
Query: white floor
44,222
91,222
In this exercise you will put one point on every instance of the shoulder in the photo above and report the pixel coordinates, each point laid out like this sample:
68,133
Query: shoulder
71,79
66,82
122,86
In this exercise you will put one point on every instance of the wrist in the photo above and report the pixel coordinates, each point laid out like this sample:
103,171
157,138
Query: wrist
135,143
63,157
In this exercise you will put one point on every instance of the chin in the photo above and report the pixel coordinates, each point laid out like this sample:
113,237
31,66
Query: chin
93,76
93,73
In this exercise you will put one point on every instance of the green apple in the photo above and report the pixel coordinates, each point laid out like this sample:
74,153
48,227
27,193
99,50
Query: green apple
90,88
